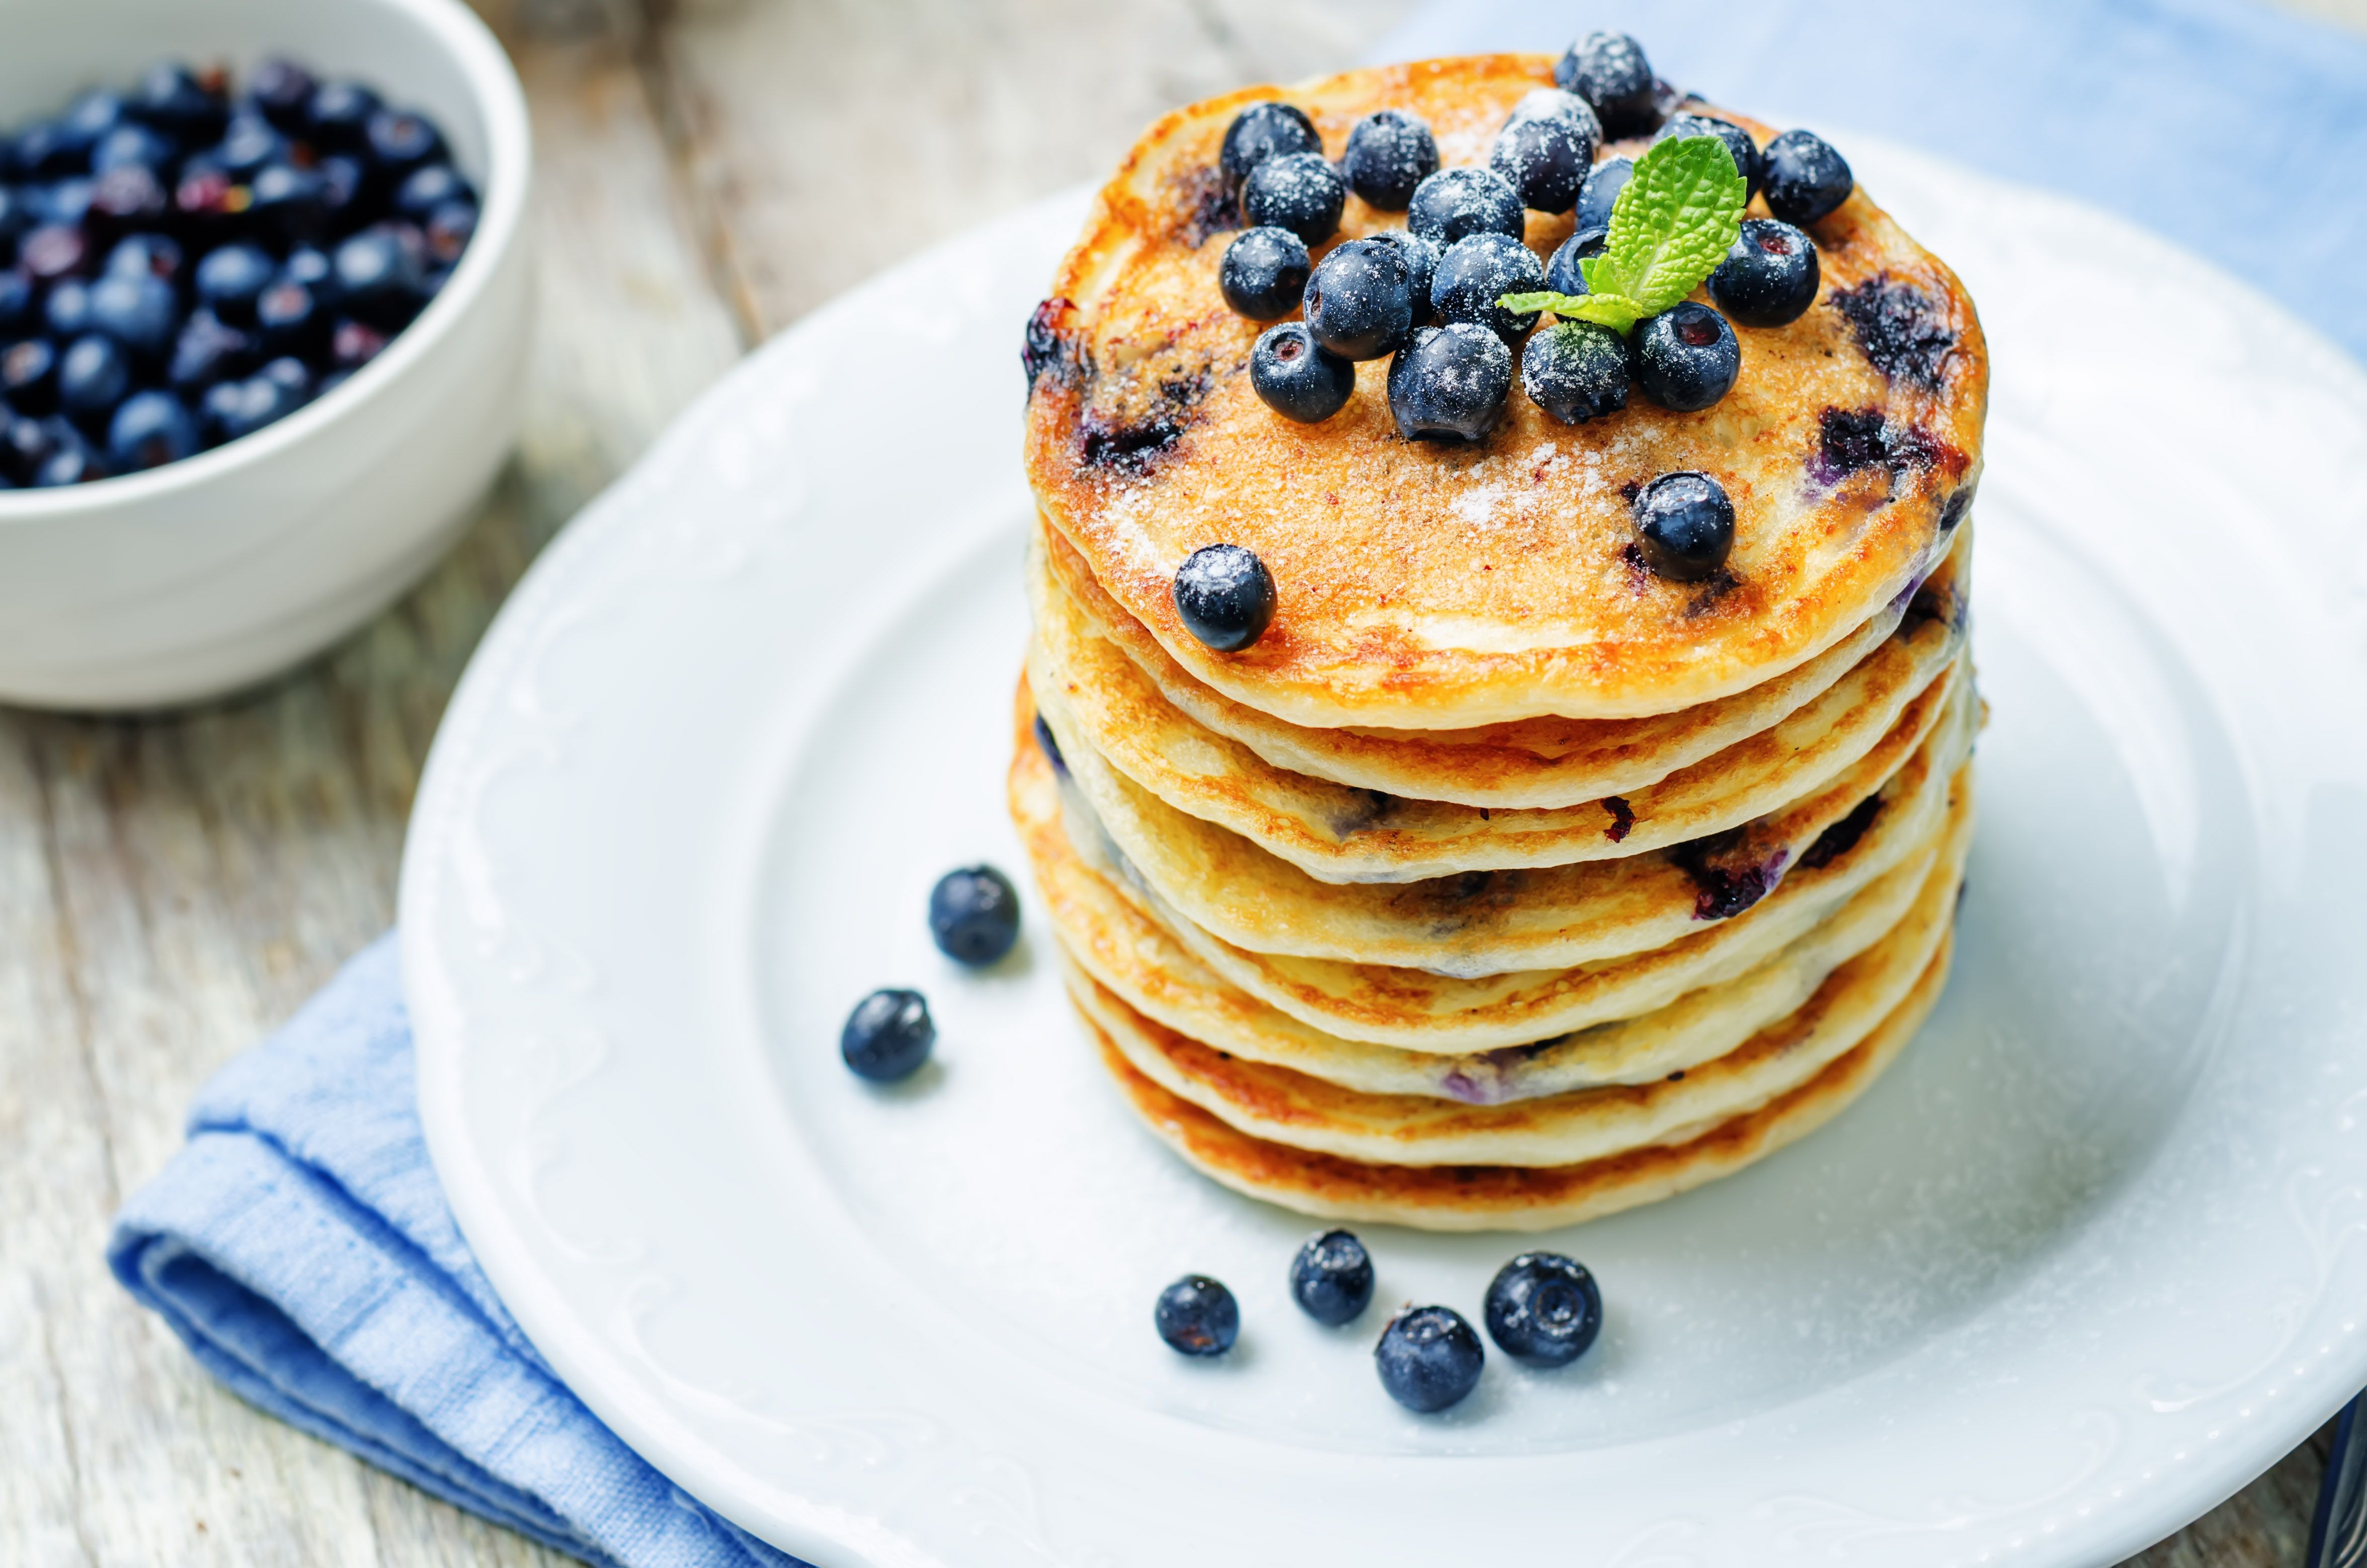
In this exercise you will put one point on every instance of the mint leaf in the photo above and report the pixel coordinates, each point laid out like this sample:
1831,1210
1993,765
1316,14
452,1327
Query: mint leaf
1672,224
1614,311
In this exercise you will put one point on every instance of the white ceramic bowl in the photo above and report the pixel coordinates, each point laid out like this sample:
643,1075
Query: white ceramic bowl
210,574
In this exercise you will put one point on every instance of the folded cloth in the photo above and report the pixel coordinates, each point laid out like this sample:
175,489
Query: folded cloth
302,1249
2235,129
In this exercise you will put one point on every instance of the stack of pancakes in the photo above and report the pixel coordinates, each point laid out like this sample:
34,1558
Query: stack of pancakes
1502,883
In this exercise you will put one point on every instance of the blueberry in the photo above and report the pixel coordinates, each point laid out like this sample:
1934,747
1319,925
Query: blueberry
70,460
1297,191
1686,357
248,143
1225,595
133,143
1297,377
353,344
1475,272
233,409
173,99
1768,277
29,376
1389,152
1563,275
231,278
88,119
43,150
1547,147
1198,1316
1806,178
281,90
64,202
1331,1278
25,445
15,300
1738,141
311,266
65,310
125,198
146,256
291,376
1421,265
973,914
15,216
207,351
338,116
377,279
1450,382
1601,192
1575,371
1359,300
289,319
1270,130
1544,1309
138,311
1050,745
399,141
1610,72
344,187
208,201
1455,204
888,1035
93,376
1684,525
1263,271
53,251
289,204
429,187
1428,1358
150,430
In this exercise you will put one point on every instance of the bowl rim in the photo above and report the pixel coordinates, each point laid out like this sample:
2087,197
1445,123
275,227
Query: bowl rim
492,82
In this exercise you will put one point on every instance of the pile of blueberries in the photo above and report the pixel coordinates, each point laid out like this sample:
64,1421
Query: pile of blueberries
1541,1309
1427,294
184,262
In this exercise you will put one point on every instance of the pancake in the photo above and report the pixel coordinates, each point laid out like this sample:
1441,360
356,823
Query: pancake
1333,833
1515,1198
1481,922
1529,764
1445,586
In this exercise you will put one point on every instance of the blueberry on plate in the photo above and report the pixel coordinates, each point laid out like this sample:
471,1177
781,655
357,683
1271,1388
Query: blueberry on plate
1475,272
1429,1358
1450,382
231,278
138,311
1563,275
1806,178
1684,525
1546,149
1331,1278
1686,357
1611,73
1738,141
208,351
1359,300
93,376
1270,130
1601,192
888,1035
1575,371
1297,377
973,913
1263,273
1225,595
1543,1308
1389,152
1421,265
1455,204
1768,277
150,430
338,117
1297,191
1198,1317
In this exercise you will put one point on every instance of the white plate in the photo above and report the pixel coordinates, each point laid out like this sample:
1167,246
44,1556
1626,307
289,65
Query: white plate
2083,1264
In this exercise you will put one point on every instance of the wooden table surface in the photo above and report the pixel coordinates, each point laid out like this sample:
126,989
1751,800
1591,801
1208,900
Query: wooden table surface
172,887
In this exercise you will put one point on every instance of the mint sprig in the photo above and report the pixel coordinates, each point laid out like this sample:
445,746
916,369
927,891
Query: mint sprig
1673,222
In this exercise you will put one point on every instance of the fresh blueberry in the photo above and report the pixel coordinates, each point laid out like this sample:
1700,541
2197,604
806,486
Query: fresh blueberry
15,215
1475,272
1610,72
232,278
1601,192
353,344
1806,178
1545,149
132,143
1359,300
1768,277
429,187
138,311
232,408
1686,357
282,89
1450,382
1269,130
127,198
1263,273
15,300
338,116
1422,266
1225,595
25,445
1050,745
1297,191
172,98
888,1035
93,376
1544,1309
1455,204
62,202
150,430
399,141
208,351
377,277
1575,371
29,376
147,255
1389,153
1297,377
1331,1278
1563,275
1429,1358
65,310
973,914
1684,525
70,460
290,375
344,188
88,119
289,203
42,150
1738,141
1198,1316
288,320
209,202
248,143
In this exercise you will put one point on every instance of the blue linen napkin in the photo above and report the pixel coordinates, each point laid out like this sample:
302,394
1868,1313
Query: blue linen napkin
2235,129
302,1249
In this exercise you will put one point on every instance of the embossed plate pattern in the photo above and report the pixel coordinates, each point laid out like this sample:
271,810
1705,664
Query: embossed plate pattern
2084,1262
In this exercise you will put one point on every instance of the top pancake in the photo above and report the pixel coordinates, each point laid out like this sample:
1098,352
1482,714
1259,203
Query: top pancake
1433,585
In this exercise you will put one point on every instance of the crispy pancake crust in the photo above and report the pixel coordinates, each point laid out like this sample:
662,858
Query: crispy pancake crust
1439,586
